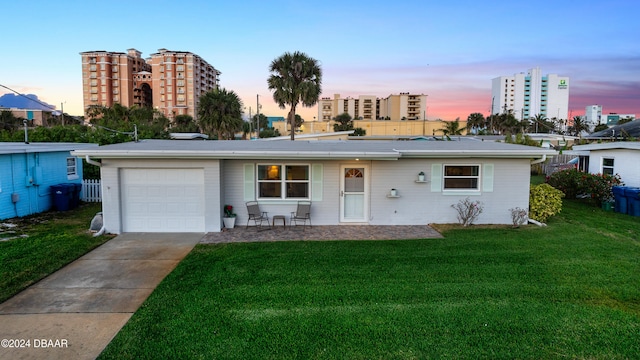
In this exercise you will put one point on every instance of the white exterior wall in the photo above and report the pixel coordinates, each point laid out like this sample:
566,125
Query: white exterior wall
593,115
112,190
418,202
535,92
626,164
557,97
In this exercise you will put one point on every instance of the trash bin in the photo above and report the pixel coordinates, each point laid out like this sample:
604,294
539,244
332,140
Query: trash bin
607,205
633,200
74,194
61,196
621,199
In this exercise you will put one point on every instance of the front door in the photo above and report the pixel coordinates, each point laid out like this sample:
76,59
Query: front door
353,194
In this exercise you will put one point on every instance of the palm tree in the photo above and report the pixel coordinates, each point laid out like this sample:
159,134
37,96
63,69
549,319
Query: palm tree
579,125
295,79
451,128
475,122
540,123
220,111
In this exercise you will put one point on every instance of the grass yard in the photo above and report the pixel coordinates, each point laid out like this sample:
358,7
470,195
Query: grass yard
570,290
53,239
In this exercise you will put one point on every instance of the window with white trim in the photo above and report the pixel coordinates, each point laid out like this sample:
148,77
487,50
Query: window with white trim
607,166
461,177
72,168
283,181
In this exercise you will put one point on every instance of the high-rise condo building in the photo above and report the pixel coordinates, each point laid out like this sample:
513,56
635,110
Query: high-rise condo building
531,94
404,106
169,81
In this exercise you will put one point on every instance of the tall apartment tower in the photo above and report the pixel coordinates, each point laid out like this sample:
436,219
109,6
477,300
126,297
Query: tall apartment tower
531,94
169,81
404,106
108,78
179,78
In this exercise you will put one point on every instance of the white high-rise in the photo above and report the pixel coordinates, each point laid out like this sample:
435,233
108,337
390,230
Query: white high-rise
531,94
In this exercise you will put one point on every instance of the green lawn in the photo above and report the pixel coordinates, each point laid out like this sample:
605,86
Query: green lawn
570,290
53,239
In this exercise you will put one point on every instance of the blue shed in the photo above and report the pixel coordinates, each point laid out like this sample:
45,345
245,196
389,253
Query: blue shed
27,172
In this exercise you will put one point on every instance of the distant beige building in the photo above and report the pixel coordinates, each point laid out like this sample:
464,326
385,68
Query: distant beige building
169,81
404,106
397,128
36,117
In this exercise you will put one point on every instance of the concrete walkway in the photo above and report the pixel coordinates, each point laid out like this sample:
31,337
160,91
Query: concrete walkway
75,312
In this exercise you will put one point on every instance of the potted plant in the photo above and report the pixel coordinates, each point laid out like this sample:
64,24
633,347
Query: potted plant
421,176
229,218
394,192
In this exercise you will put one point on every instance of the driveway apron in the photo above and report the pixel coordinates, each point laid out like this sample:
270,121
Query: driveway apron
75,312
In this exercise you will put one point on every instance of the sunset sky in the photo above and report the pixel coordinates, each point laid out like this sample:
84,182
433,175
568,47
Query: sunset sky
448,50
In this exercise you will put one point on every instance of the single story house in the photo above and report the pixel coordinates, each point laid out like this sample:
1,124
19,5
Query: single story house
619,157
27,171
182,186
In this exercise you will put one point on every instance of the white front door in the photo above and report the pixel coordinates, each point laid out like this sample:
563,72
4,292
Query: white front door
354,197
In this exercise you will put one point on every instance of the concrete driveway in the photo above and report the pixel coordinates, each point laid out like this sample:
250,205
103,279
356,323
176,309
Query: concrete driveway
75,312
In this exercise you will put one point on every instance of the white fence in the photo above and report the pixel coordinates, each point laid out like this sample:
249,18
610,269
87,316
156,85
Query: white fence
91,191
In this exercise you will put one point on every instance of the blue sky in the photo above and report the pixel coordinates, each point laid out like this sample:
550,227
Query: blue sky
449,50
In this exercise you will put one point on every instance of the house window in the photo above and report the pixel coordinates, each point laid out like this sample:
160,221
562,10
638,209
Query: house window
72,168
607,166
462,177
283,181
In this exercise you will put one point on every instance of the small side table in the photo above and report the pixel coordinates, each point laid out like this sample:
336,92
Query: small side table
279,218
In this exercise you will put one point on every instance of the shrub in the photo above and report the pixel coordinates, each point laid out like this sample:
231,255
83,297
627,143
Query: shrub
468,211
544,202
573,183
566,181
599,186
518,216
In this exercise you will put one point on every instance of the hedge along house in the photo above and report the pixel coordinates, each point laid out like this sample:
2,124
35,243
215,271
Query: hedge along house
27,171
178,186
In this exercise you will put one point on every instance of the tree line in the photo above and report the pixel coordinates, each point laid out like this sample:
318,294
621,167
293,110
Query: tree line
508,123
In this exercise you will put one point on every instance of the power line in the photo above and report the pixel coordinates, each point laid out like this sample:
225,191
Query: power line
52,107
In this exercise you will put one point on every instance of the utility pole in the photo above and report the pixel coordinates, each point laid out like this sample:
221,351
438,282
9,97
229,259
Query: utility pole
258,116
62,111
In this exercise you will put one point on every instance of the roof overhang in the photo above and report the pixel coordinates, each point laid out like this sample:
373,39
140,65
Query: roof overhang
241,155
532,154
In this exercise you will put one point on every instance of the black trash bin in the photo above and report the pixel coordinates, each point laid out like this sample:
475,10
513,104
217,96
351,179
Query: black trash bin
62,196
74,193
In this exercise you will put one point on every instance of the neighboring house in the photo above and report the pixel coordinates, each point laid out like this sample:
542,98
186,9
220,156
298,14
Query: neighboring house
620,157
182,186
28,170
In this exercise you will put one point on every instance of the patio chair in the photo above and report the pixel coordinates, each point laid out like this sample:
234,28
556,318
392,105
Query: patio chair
302,214
258,217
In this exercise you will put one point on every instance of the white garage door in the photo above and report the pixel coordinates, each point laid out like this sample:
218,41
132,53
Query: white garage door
162,200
